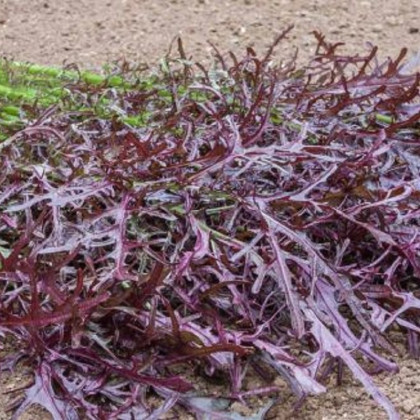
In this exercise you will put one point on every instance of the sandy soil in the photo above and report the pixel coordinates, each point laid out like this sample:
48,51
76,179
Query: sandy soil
92,32
347,401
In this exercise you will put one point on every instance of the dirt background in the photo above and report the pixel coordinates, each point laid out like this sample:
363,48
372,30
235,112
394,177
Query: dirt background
92,32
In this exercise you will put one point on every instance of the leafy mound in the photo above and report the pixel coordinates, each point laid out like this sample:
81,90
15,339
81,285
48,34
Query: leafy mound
25,86
261,217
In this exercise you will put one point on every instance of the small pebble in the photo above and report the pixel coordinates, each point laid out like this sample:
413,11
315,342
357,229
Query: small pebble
377,28
240,31
409,405
393,20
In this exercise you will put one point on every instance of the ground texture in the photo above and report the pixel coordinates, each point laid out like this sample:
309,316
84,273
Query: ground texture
92,32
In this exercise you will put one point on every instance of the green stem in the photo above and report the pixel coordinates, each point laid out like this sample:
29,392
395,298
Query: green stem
384,119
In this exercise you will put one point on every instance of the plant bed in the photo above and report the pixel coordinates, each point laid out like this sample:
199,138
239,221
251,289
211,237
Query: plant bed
242,218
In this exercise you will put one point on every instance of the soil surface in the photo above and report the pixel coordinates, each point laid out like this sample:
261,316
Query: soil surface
93,32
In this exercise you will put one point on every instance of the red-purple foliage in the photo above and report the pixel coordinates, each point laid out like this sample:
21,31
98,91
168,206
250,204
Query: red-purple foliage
265,217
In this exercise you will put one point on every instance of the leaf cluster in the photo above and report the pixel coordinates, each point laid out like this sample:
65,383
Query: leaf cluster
249,216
